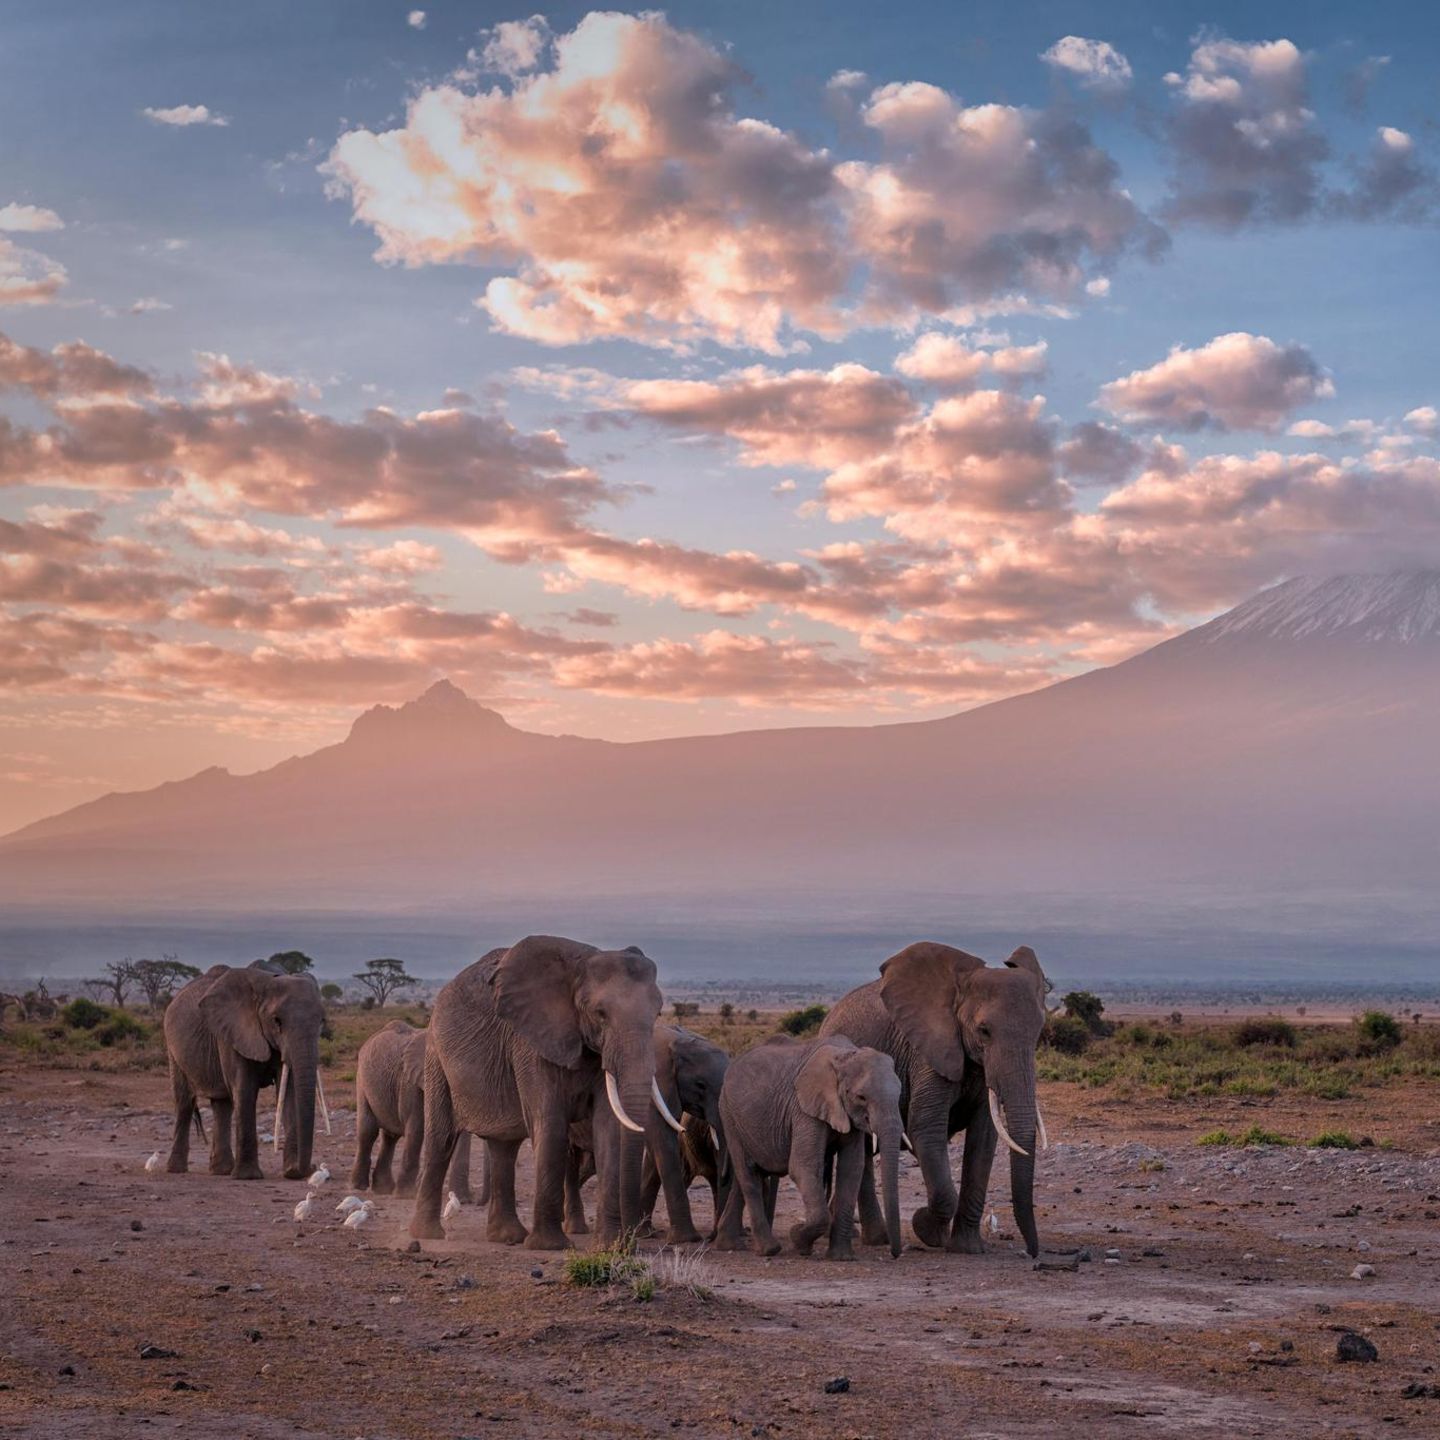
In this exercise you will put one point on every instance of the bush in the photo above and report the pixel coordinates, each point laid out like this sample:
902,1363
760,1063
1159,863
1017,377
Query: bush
1253,1136
1084,1006
1265,1030
1065,1033
803,1022
1335,1140
1379,1029
121,1025
331,991
83,1014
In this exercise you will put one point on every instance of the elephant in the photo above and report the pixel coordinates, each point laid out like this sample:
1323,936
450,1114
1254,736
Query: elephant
389,1105
690,1071
963,1037
522,1043
228,1033
798,1108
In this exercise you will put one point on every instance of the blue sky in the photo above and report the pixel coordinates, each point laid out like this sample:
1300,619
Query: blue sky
1000,569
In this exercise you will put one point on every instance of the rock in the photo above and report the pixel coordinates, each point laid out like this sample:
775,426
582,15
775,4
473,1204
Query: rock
1112,1254
1417,1390
840,1385
1363,1246
137,1225
1351,1346
66,1370
463,1282
537,1273
253,1336
184,1385
1057,1262
1085,1257
157,1352
413,1248
1362,1272
1111,1260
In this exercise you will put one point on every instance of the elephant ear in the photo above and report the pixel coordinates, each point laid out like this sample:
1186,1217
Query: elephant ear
696,1063
817,1087
535,992
1025,959
920,988
231,1010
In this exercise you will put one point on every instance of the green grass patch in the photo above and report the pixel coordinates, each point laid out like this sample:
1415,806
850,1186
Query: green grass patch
1255,1135
1335,1140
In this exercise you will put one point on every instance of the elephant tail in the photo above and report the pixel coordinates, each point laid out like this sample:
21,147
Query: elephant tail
482,1196
197,1121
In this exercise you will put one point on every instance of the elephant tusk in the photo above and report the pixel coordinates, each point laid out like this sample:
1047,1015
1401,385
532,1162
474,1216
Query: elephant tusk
906,1141
280,1100
612,1094
1000,1125
664,1109
715,1139
324,1108
1040,1121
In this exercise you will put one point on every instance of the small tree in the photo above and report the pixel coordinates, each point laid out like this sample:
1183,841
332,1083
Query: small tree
1087,1007
803,1022
684,1009
331,991
115,983
292,962
382,977
727,1013
159,979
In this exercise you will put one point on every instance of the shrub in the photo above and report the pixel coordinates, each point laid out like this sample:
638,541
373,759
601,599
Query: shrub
1265,1030
83,1014
1066,1033
1253,1136
1087,1007
121,1025
803,1022
331,991
1379,1029
617,1265
1335,1140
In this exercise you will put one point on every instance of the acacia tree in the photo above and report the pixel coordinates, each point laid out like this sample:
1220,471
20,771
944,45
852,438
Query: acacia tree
115,983
382,977
292,962
158,979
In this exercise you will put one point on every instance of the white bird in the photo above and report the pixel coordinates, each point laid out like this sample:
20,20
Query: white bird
154,1165
305,1208
350,1204
452,1207
992,1223
359,1217
320,1177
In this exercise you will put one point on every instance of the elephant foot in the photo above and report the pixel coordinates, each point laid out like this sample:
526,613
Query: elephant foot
803,1238
405,1190
840,1252
729,1243
688,1236
765,1247
501,1231
646,1230
299,1172
548,1240
359,1181
178,1165
874,1234
423,1227
966,1241
577,1226
222,1165
929,1228
247,1170
383,1185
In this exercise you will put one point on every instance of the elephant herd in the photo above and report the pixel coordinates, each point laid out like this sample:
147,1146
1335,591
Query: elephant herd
560,1043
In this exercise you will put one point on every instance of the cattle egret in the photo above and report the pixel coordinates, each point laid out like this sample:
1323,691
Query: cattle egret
320,1177
992,1223
359,1217
305,1208
154,1164
452,1207
350,1204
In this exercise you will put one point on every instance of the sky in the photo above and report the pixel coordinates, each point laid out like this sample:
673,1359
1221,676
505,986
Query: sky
659,373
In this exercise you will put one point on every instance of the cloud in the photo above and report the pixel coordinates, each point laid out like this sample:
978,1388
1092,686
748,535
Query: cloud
1424,420
1096,64
1390,182
625,197
1235,382
29,219
183,115
73,369
942,360
403,557
516,46
28,277
416,19
1099,453
1246,147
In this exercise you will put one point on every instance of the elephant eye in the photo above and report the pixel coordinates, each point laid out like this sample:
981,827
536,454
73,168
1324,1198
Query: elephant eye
985,1031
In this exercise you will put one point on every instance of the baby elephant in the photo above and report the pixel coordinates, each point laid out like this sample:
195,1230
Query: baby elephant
801,1108
389,1105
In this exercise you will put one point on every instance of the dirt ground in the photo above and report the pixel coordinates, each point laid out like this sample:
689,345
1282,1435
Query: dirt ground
1217,1286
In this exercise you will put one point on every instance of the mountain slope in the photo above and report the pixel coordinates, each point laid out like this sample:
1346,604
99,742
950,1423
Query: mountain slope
1286,745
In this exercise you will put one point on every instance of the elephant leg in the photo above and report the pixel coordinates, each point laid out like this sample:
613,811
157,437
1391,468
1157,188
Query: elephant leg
929,1131
849,1167
222,1119
184,1095
979,1156
552,1144
502,1223
772,1191
436,1150
682,1229
382,1182
756,1189
575,1221
458,1178
729,1226
245,1093
649,1187
872,1218
811,1184
367,1132
605,1152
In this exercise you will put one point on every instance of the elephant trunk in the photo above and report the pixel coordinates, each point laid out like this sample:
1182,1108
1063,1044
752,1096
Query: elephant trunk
304,1064
1016,1095
632,1068
887,1142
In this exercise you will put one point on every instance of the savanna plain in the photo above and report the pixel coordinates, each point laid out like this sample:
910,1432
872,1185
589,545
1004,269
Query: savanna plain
1227,1207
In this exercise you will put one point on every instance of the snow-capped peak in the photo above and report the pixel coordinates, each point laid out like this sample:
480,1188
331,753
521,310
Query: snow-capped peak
1400,608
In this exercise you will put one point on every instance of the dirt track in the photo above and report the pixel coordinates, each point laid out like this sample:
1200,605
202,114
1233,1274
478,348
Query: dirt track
1225,1259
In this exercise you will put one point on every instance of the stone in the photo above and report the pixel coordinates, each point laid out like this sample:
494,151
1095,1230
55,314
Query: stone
840,1385
1354,1347
156,1352
1362,1272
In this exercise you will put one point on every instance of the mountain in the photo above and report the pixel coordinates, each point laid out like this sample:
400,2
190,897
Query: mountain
1285,748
